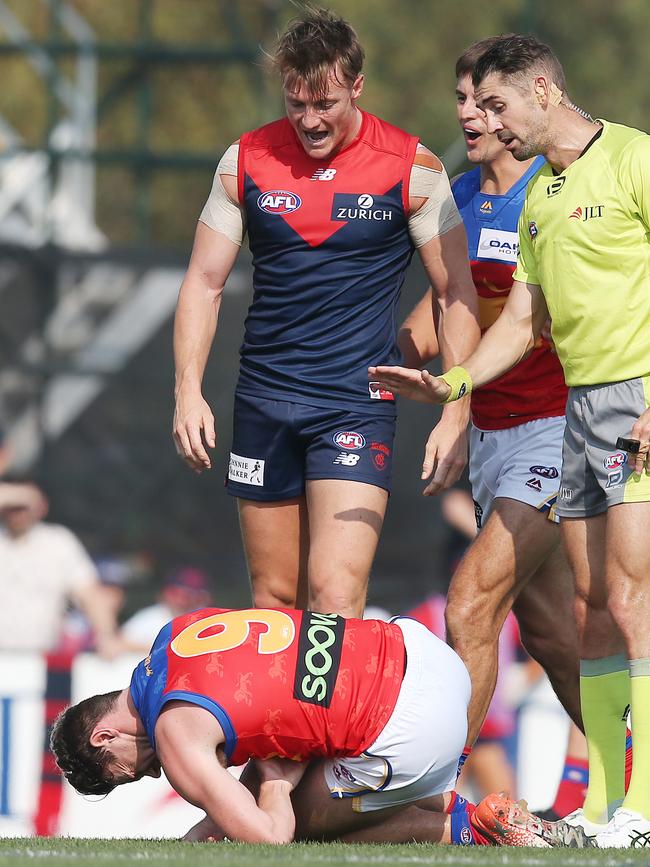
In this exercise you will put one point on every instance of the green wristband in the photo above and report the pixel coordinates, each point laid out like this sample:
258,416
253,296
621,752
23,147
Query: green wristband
460,382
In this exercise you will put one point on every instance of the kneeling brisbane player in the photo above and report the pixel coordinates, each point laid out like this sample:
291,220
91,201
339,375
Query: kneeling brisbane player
354,727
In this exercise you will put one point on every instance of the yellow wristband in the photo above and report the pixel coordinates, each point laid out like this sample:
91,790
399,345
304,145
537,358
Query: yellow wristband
460,382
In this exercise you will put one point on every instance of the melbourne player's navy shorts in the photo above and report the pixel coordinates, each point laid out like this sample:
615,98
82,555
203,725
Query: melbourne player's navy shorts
278,445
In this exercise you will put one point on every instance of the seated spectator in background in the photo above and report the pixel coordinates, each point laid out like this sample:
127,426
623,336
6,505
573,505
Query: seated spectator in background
77,632
42,567
185,589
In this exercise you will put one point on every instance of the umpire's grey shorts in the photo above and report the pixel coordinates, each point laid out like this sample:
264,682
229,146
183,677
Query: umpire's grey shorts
595,474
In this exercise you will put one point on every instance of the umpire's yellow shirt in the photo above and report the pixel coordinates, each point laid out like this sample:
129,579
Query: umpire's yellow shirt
584,237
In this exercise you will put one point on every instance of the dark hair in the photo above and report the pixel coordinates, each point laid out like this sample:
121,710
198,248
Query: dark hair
312,45
468,59
82,764
515,56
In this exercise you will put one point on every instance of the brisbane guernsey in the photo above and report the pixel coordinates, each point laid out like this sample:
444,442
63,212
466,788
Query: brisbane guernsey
287,683
330,246
534,388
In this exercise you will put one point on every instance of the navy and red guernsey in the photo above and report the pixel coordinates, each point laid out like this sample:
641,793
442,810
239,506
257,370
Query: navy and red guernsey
330,247
535,387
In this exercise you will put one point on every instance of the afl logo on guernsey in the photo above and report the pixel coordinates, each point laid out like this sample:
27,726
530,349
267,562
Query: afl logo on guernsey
349,440
278,202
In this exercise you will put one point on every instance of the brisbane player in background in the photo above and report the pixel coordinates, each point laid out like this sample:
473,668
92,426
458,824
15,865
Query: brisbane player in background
334,201
516,560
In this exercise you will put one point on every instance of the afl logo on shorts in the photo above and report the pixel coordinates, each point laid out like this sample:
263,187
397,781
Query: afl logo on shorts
545,472
278,202
613,462
349,440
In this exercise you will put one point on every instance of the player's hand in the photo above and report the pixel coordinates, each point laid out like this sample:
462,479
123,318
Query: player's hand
204,831
445,455
412,383
193,429
641,431
281,769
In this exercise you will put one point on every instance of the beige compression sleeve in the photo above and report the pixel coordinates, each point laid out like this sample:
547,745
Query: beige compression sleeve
220,212
439,213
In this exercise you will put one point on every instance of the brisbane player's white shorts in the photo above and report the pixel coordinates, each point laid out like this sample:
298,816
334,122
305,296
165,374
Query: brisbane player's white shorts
416,755
522,463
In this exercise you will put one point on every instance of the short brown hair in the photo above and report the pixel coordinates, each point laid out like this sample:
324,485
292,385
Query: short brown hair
314,44
468,59
83,765
516,57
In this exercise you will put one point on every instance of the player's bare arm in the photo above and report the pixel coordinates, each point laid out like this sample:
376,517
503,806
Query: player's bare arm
187,739
417,337
503,345
437,232
212,259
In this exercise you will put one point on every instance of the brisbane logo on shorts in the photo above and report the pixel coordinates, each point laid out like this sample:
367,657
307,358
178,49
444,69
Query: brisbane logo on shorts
349,440
278,202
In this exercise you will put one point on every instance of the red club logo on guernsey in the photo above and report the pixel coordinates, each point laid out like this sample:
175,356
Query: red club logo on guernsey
278,202
349,440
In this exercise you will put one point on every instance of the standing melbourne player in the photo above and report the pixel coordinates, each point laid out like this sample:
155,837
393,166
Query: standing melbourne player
334,201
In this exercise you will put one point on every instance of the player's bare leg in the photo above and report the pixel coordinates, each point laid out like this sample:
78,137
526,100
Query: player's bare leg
321,817
585,545
604,681
276,543
345,521
508,551
628,584
411,824
549,632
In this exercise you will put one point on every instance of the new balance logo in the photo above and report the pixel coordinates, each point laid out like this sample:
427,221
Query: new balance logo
323,175
346,460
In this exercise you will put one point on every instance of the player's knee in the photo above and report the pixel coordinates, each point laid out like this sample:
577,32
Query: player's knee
326,600
268,593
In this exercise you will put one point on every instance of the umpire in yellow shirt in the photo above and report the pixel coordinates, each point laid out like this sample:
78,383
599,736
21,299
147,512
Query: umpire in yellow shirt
584,260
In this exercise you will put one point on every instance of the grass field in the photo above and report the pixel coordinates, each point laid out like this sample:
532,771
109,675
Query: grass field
75,852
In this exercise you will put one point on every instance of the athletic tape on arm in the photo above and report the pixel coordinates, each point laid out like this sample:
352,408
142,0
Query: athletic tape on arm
220,212
459,381
439,213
